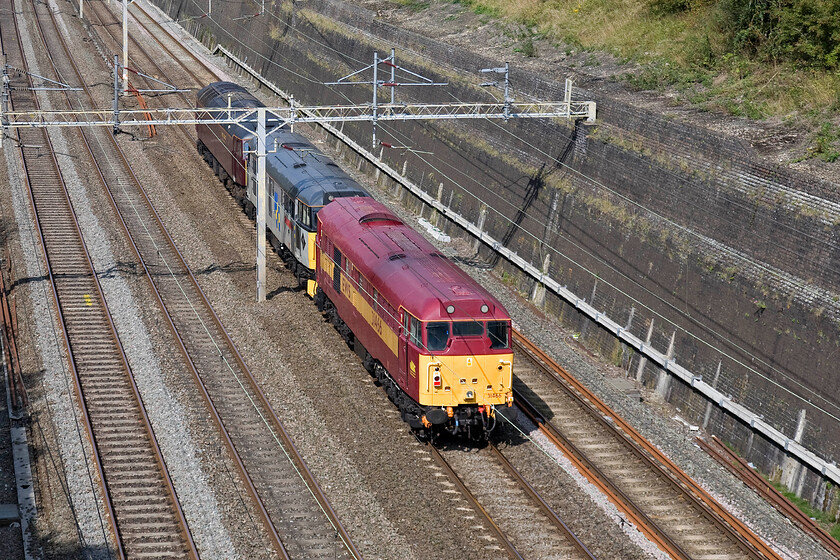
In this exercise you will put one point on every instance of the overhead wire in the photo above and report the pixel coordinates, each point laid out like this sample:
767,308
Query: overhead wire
593,181
693,320
344,55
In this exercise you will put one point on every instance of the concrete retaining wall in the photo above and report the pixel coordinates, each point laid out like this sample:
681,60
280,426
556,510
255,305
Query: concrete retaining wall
699,235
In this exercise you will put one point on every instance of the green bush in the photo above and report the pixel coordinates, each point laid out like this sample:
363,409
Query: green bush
796,30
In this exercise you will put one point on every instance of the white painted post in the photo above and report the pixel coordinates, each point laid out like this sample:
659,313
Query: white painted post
125,47
708,414
261,204
664,380
643,359
374,106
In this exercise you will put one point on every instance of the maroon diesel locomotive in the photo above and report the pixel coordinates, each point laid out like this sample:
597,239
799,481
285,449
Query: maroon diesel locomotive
438,342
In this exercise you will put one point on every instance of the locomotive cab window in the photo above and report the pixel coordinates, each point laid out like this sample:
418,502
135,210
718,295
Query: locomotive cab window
498,332
437,336
303,215
467,328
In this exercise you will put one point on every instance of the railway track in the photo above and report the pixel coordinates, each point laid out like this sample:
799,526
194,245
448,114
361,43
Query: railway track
675,533
295,511
673,537
742,469
672,510
143,510
538,534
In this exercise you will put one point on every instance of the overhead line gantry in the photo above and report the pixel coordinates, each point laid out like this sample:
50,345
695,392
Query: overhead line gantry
271,119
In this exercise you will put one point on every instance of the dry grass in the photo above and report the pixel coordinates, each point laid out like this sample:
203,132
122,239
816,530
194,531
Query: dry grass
687,52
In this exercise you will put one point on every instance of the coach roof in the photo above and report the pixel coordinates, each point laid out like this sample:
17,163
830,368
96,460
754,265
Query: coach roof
217,94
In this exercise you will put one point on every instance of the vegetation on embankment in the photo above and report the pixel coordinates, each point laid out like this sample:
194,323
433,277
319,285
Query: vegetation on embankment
753,58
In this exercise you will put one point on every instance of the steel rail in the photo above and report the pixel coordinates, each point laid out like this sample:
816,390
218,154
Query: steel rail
546,509
135,6
276,424
108,503
184,527
444,464
118,522
705,504
17,391
592,473
740,468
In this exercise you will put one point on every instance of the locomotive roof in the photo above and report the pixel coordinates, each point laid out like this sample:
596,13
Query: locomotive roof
403,266
306,173
216,95
297,166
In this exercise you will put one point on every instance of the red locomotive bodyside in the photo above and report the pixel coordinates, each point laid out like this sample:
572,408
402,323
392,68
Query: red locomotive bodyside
443,339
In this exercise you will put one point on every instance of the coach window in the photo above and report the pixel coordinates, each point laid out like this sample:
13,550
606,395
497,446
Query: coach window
467,328
498,333
437,335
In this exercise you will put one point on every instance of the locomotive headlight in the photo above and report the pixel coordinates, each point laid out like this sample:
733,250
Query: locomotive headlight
470,395
484,308
450,309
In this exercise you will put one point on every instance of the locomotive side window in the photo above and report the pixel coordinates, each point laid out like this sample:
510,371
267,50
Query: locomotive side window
467,328
336,269
437,335
412,326
498,333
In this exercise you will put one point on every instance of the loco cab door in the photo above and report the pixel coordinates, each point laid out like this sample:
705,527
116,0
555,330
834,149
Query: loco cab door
408,376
